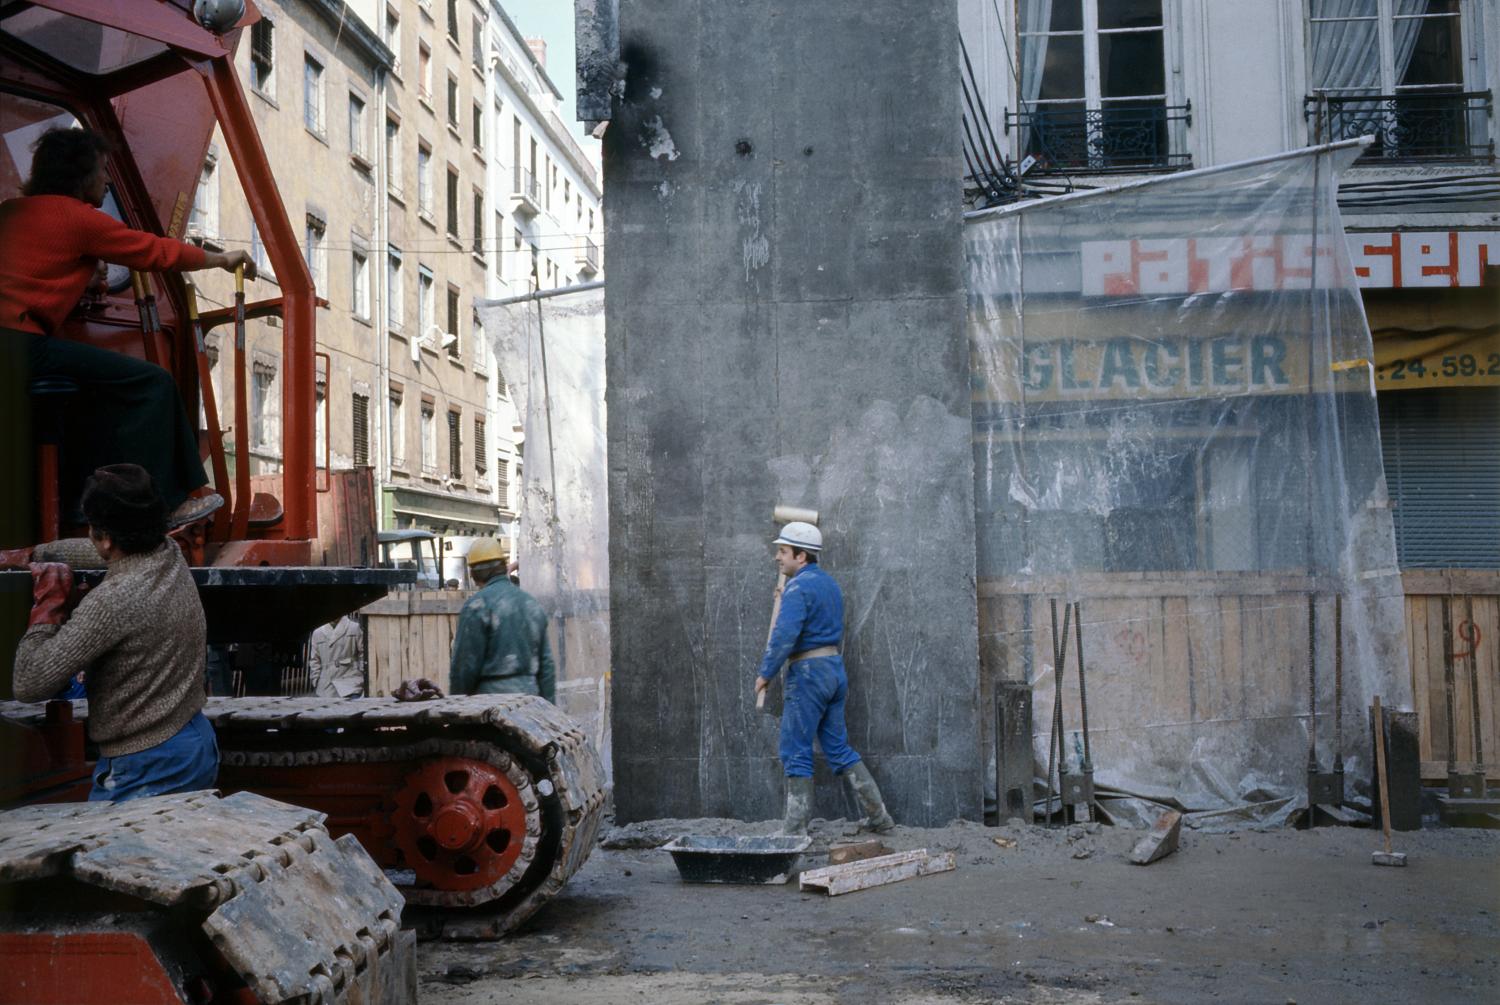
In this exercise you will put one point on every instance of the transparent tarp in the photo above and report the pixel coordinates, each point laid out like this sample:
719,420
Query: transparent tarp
551,351
1175,425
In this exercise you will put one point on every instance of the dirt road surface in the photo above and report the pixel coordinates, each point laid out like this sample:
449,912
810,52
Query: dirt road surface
1248,916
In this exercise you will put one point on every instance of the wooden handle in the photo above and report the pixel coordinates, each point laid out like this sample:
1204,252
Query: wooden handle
760,698
192,301
1385,796
138,284
239,279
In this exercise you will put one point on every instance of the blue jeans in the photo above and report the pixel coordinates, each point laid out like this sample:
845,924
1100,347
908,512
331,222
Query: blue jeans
184,762
815,693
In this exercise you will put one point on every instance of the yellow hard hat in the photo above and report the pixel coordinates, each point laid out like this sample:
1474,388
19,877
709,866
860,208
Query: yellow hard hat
486,549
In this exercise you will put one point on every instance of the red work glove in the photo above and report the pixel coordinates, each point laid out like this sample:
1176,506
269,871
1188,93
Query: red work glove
15,558
51,586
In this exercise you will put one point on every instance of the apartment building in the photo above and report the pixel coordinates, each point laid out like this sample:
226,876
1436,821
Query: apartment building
546,213
393,129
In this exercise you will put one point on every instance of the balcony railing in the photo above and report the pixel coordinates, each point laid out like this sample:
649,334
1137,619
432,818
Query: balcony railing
588,255
1116,137
526,191
1412,126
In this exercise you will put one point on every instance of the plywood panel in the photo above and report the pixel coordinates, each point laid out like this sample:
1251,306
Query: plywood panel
1428,665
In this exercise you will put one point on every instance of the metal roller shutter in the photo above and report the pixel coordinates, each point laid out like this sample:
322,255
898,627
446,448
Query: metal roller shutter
1442,469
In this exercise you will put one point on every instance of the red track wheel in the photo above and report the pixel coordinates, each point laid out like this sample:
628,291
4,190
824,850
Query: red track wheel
460,823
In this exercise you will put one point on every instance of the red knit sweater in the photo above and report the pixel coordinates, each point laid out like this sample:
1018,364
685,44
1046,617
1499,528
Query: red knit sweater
49,248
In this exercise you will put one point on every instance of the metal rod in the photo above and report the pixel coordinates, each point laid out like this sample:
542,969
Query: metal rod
1448,684
1322,148
1057,710
1312,683
1338,683
1083,688
597,284
1473,640
1052,735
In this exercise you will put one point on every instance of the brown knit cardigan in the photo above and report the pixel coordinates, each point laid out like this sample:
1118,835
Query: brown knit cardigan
141,636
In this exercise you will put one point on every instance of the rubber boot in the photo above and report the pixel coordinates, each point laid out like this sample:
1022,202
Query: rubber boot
867,794
799,800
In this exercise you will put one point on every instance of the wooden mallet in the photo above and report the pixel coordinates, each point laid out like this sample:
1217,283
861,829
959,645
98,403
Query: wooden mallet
1386,857
782,515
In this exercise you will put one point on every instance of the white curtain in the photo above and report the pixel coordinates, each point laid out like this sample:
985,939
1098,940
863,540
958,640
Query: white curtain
1035,15
1345,55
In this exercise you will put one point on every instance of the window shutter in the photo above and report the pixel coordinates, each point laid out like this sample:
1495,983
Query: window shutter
455,448
502,482
261,44
361,430
1442,473
481,455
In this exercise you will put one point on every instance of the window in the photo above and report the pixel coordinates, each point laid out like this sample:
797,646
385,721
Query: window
317,252
452,203
518,268
454,297
361,430
395,297
455,445
1093,86
392,38
424,179
261,405
203,223
502,483
425,322
500,228
357,126
481,462
476,334
477,130
263,57
453,19
429,438
361,291
395,429
452,101
393,173
1394,68
591,221
476,44
424,71
548,180
320,422
567,192
312,94
263,269
478,238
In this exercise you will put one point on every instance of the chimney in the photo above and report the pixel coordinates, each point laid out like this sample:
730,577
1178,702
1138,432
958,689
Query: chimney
538,47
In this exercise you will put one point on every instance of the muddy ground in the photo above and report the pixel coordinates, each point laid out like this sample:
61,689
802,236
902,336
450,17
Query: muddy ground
1246,916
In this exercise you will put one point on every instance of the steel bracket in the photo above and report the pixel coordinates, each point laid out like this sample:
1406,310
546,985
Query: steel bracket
1078,787
1466,785
1325,788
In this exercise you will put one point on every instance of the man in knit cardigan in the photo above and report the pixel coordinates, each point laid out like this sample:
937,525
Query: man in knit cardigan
140,637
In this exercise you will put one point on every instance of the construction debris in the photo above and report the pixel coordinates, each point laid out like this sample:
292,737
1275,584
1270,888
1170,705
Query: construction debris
1161,841
836,879
1004,842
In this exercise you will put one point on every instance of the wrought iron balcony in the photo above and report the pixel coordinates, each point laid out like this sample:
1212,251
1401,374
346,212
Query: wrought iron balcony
1114,138
1412,126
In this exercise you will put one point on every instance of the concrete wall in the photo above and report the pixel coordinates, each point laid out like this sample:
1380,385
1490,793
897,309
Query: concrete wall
785,326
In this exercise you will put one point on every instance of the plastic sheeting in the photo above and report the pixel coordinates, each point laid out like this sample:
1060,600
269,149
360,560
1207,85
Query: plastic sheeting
551,351
1175,424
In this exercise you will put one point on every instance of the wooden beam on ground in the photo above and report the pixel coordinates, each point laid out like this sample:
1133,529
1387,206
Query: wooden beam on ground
837,879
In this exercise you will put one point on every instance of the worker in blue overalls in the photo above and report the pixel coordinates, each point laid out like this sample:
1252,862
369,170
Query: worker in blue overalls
806,637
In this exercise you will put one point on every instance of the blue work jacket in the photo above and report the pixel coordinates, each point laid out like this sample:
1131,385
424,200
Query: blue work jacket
812,615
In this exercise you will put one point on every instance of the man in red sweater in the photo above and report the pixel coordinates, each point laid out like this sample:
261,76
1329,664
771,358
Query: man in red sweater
52,240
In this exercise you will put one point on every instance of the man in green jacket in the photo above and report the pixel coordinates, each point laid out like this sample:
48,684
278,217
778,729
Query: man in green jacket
500,646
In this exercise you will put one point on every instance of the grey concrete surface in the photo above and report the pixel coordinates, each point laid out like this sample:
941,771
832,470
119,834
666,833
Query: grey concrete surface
785,325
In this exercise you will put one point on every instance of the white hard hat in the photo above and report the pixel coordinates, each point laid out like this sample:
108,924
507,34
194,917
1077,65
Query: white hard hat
801,535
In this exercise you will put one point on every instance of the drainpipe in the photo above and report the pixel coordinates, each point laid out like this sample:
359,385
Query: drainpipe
382,285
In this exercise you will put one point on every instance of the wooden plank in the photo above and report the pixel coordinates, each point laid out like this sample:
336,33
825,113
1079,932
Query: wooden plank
1174,697
1231,653
1437,722
835,880
1416,640
1487,659
1463,694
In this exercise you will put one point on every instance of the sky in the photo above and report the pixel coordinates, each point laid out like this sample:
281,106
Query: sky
553,21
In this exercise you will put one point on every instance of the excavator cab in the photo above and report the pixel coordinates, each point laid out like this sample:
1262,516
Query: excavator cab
156,81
